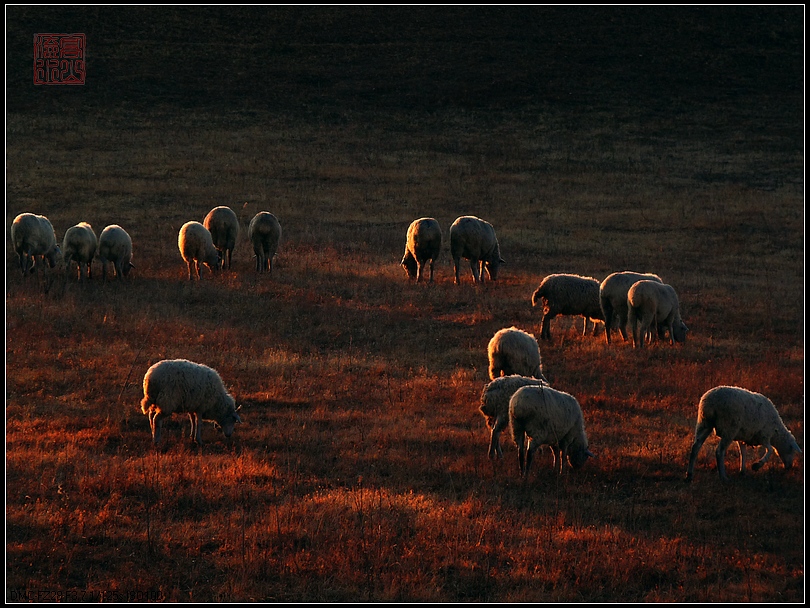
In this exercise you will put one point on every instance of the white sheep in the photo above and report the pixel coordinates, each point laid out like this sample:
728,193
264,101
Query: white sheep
422,245
740,415
115,245
223,225
548,417
495,406
568,294
474,239
652,307
197,247
513,351
80,245
179,386
32,237
613,299
265,233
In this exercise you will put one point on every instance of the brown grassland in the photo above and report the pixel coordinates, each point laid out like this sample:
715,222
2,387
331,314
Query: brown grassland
593,139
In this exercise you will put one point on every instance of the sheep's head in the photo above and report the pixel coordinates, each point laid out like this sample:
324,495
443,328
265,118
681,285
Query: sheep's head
679,330
409,264
787,449
577,458
493,265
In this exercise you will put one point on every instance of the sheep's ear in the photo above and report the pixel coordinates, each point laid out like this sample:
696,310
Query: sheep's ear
589,453
503,261
131,265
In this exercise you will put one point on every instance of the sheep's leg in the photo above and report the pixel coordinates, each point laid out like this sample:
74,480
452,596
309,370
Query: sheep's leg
495,438
533,445
545,332
585,326
431,269
193,419
419,270
743,456
701,434
522,454
456,268
475,267
761,462
562,456
197,430
157,427
720,454
623,324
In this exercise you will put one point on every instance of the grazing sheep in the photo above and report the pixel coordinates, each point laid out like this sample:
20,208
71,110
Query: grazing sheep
548,417
613,298
495,406
653,306
223,225
568,294
33,236
115,245
513,351
178,386
197,247
79,245
737,414
265,233
474,239
423,244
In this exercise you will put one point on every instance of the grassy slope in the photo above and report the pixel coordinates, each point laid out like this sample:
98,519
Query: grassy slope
594,140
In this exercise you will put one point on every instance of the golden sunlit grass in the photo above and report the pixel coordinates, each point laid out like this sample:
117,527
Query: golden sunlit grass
360,469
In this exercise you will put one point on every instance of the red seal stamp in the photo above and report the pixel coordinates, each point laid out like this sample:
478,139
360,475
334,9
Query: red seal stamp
59,58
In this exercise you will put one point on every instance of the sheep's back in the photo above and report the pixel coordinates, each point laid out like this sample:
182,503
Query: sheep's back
740,414
223,225
472,238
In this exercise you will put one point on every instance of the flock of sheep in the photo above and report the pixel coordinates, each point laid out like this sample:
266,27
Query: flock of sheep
518,395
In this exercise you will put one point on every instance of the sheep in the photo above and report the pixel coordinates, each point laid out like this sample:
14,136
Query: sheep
548,417
474,239
79,245
223,225
115,245
613,298
197,247
745,417
179,386
568,294
33,236
265,233
513,351
423,244
653,306
495,406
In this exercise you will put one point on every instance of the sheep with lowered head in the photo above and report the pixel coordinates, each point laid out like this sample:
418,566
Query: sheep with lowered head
33,236
568,294
197,247
265,233
513,351
115,245
422,245
79,245
179,386
548,417
737,414
474,239
653,306
613,298
495,406
223,225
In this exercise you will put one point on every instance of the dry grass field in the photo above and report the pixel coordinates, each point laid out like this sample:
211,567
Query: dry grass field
593,139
